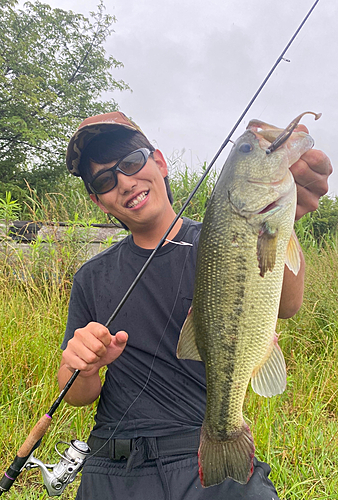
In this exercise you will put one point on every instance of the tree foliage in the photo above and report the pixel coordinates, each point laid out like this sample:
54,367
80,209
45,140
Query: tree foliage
53,70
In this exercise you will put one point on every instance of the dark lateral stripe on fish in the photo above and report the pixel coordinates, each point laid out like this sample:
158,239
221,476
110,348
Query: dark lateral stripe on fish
220,408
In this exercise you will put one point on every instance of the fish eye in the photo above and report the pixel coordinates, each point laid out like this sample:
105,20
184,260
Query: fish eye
245,147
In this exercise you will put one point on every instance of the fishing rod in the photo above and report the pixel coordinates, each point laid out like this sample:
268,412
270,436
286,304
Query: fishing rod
56,477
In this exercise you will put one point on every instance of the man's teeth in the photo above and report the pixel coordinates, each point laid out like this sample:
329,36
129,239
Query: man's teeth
137,200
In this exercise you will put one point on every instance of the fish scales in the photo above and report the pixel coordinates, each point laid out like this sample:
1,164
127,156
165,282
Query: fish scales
244,244
234,329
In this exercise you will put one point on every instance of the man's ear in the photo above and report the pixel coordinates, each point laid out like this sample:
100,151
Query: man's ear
161,163
98,202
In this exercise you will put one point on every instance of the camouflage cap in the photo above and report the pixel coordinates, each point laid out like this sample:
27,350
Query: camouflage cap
90,128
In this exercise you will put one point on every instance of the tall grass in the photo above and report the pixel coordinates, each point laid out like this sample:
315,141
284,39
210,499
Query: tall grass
32,322
70,205
34,293
296,433
183,181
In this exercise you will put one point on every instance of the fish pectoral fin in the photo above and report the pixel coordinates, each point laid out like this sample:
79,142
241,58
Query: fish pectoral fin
186,347
269,378
266,249
293,254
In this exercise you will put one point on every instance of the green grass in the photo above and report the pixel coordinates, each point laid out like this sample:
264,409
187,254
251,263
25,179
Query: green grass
296,433
182,182
32,322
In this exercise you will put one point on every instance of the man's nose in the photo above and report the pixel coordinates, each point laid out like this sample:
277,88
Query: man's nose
125,183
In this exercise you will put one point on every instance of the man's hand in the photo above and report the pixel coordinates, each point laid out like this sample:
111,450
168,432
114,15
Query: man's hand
93,347
311,174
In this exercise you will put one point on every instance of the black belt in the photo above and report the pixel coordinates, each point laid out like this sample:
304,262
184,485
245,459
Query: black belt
136,451
148,448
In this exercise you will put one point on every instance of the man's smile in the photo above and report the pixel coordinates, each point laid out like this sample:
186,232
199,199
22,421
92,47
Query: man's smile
137,200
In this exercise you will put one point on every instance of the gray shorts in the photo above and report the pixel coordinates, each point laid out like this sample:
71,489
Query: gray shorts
167,478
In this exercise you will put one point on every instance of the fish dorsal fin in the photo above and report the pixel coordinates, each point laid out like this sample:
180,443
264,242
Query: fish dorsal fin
266,249
269,378
186,347
293,254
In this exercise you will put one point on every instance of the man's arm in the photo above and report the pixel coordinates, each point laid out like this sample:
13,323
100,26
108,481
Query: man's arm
292,291
91,348
311,173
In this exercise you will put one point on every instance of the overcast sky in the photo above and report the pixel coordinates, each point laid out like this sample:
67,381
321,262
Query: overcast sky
194,65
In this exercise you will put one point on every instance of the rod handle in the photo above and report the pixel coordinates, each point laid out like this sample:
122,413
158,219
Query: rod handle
31,443
38,431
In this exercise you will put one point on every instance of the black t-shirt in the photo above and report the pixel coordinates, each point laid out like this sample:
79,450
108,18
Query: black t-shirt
164,395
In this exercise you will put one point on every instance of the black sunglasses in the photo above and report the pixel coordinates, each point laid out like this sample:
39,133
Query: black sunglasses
130,164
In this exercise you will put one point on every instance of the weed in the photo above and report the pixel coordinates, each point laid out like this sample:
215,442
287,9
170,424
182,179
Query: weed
296,433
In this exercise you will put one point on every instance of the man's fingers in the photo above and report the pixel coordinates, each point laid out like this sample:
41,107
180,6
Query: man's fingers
86,354
93,346
88,346
312,162
318,162
301,128
310,179
101,332
94,336
121,337
307,202
311,174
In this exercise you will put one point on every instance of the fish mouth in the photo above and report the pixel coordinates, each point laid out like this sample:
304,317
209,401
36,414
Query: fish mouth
269,207
273,183
264,130
276,204
266,137
276,136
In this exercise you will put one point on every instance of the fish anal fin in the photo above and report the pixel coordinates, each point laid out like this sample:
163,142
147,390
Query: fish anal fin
293,254
266,249
232,457
269,378
186,347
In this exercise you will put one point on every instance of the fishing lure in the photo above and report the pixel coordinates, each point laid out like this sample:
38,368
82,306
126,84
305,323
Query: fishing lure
283,137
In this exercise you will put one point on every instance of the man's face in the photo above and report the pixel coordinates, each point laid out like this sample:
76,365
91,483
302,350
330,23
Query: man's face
139,199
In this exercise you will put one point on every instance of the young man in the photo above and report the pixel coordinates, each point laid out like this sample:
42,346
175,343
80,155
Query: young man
151,407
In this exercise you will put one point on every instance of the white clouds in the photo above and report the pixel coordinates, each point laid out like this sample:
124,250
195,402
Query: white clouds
194,65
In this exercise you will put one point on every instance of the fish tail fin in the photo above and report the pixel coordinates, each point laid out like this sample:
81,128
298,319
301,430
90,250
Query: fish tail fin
233,457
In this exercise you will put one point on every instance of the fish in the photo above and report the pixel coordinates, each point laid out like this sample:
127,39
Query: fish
246,239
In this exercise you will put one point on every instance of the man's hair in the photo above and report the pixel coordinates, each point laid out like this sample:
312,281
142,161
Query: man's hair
111,146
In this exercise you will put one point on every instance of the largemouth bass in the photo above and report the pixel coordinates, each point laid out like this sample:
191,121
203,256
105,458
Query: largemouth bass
246,239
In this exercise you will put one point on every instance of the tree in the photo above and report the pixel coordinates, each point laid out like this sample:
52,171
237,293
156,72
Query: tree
53,70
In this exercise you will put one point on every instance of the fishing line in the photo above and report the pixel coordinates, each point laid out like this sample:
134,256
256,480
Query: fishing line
39,430
207,170
190,245
164,238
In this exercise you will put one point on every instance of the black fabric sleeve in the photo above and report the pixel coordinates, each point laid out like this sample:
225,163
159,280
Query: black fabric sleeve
78,313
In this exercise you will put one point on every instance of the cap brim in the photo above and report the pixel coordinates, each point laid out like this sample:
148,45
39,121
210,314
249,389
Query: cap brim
84,136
